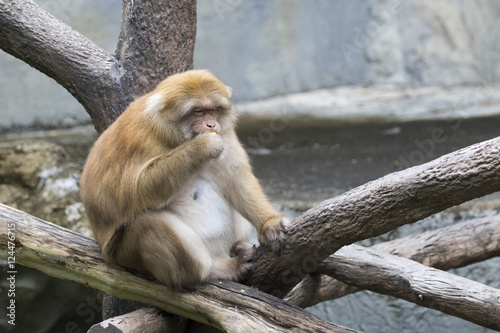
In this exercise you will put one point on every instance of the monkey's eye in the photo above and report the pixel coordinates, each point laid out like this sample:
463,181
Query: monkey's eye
198,112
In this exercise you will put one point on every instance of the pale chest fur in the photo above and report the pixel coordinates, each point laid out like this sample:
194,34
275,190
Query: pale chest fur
202,206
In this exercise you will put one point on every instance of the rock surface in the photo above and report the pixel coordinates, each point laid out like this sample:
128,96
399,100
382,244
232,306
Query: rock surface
38,177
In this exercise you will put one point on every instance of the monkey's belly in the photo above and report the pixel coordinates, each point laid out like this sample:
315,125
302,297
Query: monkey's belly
205,210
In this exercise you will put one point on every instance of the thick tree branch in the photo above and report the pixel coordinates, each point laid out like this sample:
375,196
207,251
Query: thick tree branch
88,72
375,208
166,48
445,248
416,283
67,255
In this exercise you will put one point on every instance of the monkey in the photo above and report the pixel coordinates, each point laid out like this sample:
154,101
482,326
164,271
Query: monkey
169,190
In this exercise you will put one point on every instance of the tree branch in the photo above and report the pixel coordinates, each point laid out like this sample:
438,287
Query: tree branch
416,283
455,246
375,208
88,72
228,306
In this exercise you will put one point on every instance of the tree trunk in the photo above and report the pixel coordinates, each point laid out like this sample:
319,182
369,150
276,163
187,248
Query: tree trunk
156,40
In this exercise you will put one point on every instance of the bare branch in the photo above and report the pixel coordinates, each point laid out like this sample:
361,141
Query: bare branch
88,72
228,306
451,247
375,208
416,283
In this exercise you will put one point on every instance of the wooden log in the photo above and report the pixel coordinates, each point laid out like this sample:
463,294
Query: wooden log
445,248
67,255
406,279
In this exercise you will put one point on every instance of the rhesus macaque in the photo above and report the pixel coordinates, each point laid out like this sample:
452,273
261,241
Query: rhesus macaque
169,189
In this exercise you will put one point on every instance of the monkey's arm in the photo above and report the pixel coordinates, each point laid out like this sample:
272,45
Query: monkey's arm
161,177
246,195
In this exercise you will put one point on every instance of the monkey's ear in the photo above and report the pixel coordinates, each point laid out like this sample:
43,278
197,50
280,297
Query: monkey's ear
154,104
229,91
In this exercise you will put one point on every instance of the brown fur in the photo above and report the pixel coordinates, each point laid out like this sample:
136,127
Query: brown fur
140,171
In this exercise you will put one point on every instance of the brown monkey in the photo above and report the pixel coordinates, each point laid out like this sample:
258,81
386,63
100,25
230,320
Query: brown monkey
169,190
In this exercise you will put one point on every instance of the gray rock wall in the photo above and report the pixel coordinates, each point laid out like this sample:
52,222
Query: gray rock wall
265,48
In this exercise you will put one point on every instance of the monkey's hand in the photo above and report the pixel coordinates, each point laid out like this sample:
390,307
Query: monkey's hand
244,252
214,144
273,233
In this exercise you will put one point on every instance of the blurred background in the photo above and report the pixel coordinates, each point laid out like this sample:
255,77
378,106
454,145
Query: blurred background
331,94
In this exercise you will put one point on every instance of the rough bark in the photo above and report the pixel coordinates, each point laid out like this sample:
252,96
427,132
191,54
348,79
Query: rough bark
446,248
157,40
406,279
229,306
375,208
89,73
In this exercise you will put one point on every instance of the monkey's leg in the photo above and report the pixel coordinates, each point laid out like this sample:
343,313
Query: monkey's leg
161,244
235,267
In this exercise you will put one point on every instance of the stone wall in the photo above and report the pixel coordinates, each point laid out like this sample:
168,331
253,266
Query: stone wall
265,48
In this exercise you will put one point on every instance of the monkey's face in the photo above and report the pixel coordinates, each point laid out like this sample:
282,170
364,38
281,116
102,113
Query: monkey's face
204,120
192,103
209,114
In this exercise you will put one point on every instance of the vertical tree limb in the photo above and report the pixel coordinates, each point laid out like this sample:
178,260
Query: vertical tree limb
157,39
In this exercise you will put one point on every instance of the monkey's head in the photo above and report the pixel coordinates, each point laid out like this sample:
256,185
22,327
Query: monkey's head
190,103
